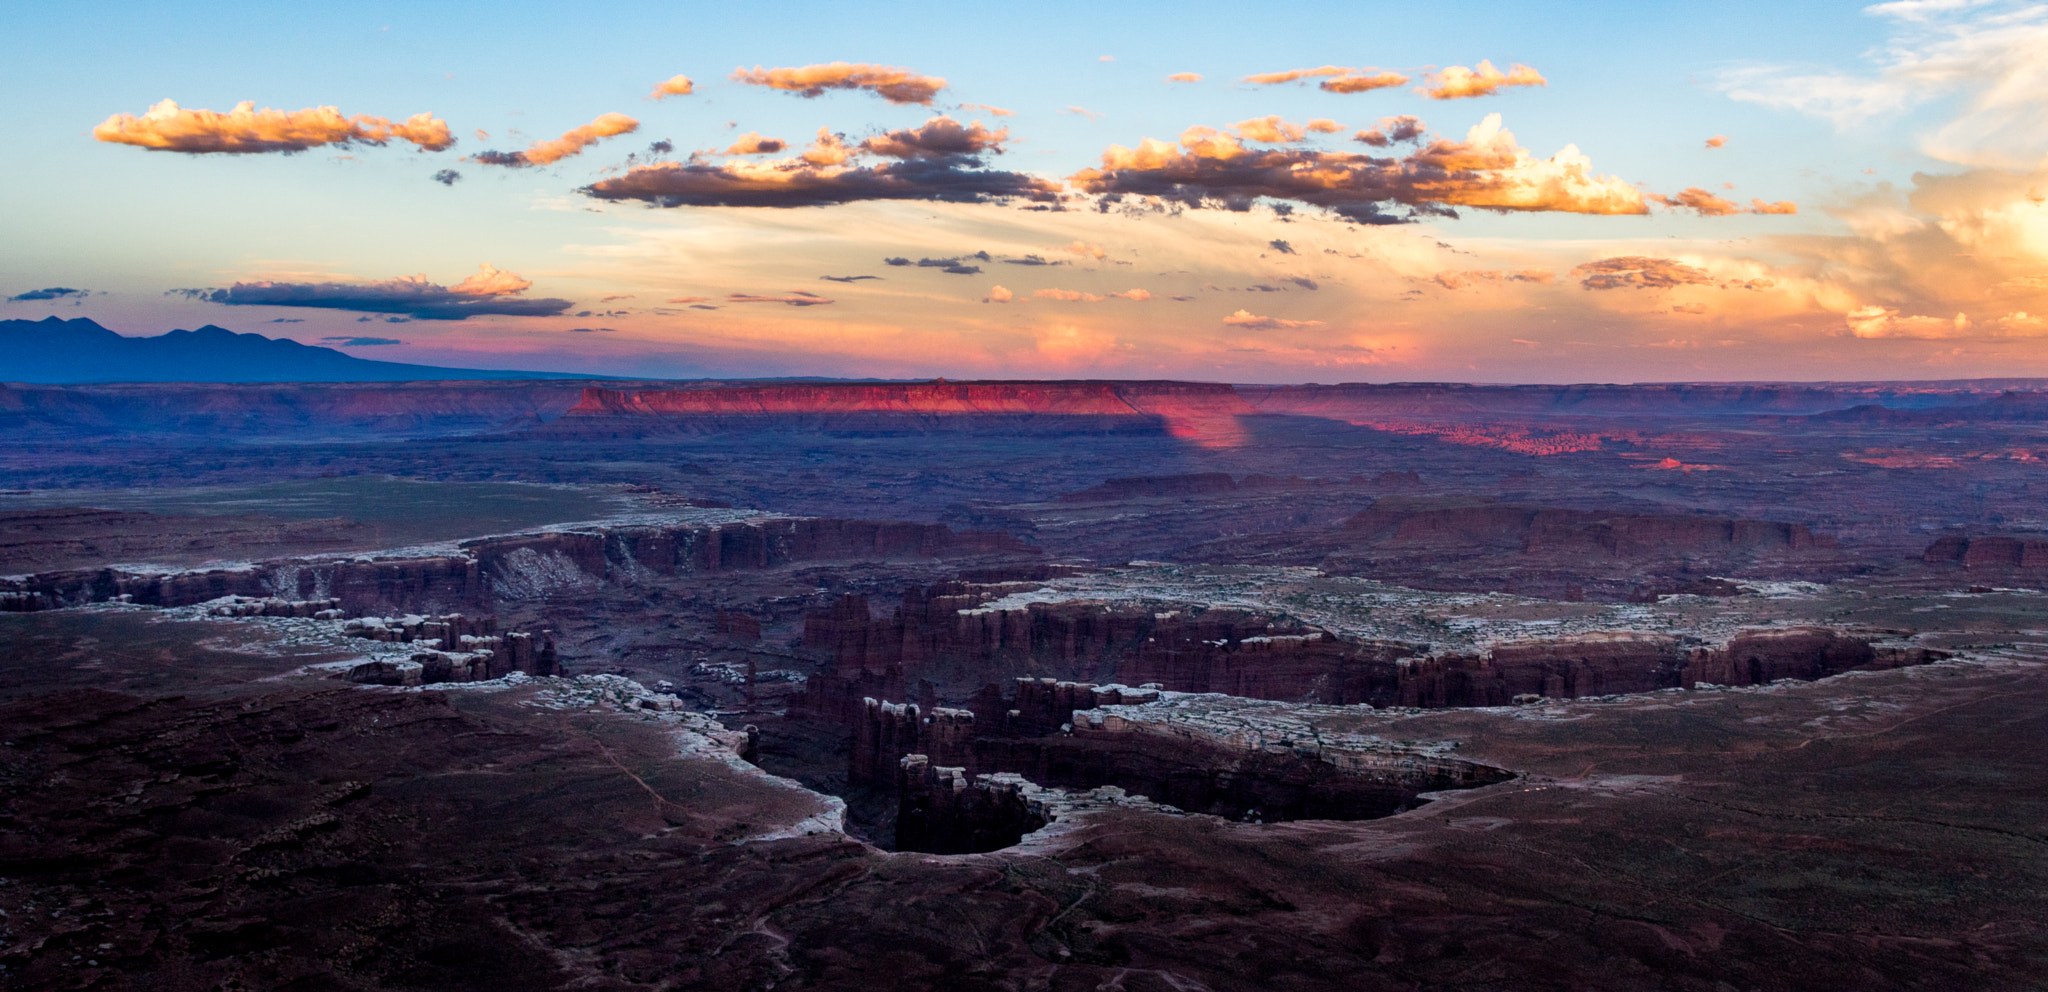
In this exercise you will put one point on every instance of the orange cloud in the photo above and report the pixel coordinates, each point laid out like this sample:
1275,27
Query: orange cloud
1071,296
1695,198
688,299
673,86
1758,206
1458,280
993,111
1640,272
572,142
1185,77
246,130
1885,322
1457,82
1339,79
1246,318
828,149
751,143
890,83
1364,81
938,138
1270,129
492,281
1717,141
796,298
998,294
1487,170
1290,75
1323,125
1085,249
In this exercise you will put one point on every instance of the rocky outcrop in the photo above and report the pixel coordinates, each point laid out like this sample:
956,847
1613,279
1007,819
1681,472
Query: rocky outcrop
943,810
1989,552
451,648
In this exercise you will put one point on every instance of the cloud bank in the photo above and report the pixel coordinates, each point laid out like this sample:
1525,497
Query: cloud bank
940,160
1487,170
490,291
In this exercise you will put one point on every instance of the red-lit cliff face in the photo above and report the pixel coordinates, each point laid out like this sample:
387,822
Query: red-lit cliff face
1203,413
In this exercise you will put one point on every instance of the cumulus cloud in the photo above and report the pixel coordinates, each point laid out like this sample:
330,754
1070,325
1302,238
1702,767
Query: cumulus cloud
1457,82
941,138
1185,77
572,142
795,298
998,295
490,291
343,341
1487,170
1640,272
446,177
1758,206
1717,141
751,143
1072,296
1248,319
678,85
1280,246
490,280
893,84
1085,250
1984,64
245,130
1392,130
52,293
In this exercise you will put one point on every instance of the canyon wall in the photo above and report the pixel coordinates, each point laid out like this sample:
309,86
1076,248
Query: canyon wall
524,566
945,640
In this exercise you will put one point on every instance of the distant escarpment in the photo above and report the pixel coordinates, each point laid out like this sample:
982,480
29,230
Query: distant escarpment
1544,551
1365,402
1196,411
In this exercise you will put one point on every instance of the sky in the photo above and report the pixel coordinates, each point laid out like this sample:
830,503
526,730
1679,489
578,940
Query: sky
1298,192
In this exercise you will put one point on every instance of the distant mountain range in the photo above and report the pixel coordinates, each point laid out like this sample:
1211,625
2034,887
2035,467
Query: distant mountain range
53,350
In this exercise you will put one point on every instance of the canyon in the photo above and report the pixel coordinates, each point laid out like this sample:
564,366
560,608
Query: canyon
606,684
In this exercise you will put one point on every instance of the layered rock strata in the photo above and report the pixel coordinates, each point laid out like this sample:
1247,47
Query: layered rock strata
523,566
